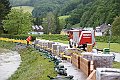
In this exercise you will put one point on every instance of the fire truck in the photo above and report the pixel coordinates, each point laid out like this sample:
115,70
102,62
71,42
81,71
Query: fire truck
80,38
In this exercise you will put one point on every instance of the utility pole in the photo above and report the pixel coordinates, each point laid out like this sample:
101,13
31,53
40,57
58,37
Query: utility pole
110,34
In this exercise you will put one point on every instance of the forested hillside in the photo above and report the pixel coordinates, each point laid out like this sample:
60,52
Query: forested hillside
91,13
41,7
83,13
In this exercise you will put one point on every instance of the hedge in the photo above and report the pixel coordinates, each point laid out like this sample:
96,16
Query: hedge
114,39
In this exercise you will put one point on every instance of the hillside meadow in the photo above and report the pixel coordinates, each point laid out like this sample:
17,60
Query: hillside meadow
25,8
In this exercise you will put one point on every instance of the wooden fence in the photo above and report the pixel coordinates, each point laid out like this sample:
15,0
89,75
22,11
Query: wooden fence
76,60
81,63
85,66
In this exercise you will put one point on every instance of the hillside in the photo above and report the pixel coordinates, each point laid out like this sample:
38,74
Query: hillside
24,8
41,7
18,2
92,13
82,13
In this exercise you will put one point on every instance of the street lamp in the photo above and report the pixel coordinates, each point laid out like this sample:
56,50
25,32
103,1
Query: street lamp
110,34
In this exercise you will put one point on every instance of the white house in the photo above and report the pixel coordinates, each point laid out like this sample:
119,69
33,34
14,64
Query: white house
37,30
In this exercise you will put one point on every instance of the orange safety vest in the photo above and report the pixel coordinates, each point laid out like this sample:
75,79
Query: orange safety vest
29,38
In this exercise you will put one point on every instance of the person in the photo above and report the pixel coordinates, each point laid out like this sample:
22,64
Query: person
29,38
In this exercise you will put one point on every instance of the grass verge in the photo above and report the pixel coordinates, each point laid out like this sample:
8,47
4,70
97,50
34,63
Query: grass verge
33,66
25,8
116,64
114,47
7,45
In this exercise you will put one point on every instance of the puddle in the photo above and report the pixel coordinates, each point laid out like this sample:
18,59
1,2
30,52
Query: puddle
9,62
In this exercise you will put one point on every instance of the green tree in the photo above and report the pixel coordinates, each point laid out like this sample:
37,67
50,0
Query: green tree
4,10
58,28
38,21
18,22
116,27
49,23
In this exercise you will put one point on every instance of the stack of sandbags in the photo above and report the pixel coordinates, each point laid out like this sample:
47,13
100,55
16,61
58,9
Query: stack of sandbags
62,47
75,60
55,48
35,43
107,74
50,43
70,51
45,44
103,60
39,43
87,55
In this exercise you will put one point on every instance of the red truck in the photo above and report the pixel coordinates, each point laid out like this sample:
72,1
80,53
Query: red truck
80,38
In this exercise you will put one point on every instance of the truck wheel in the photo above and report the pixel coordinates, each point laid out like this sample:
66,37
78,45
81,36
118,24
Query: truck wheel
65,74
71,44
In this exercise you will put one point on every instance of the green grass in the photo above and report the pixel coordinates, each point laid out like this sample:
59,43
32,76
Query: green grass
7,45
33,66
65,42
116,65
76,25
64,17
25,8
115,47
62,20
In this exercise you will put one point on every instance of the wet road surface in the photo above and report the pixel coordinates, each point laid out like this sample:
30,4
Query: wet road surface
72,70
117,57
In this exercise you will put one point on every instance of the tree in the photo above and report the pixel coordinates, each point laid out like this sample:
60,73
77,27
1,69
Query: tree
116,27
38,21
49,23
57,22
17,22
4,10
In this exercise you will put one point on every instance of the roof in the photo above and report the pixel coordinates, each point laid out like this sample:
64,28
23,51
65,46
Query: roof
103,27
37,28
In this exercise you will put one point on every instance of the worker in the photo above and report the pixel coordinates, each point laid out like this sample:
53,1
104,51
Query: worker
29,38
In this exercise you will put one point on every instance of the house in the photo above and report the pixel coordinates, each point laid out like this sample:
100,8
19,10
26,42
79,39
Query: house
64,32
102,29
37,30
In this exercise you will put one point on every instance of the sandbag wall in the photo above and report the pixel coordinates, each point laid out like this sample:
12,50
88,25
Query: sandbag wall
54,47
103,60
